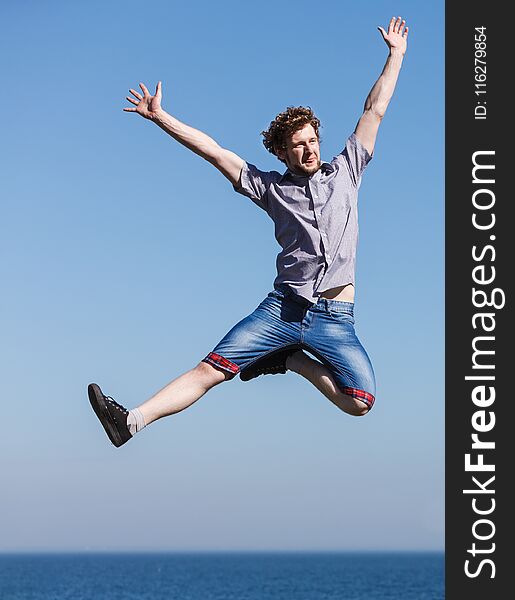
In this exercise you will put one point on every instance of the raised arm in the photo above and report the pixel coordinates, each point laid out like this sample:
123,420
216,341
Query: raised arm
149,107
380,95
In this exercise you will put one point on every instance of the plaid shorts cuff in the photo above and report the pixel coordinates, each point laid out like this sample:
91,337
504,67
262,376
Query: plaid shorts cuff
221,363
365,397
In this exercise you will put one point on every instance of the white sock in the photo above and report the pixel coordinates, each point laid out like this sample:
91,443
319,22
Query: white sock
135,421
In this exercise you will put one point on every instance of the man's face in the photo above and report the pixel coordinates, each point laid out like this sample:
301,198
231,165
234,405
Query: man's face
302,152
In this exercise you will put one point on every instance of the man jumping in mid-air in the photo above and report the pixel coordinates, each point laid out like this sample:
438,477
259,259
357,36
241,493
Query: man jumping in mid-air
314,208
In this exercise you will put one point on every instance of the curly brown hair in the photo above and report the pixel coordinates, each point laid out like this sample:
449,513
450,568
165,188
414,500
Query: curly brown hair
286,124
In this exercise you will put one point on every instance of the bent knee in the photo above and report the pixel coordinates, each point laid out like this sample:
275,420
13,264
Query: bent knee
359,401
210,374
358,408
353,403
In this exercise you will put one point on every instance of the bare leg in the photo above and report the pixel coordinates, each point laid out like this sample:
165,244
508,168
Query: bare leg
181,392
318,374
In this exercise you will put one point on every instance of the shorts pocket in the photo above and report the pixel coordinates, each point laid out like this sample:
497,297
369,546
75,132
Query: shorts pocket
341,316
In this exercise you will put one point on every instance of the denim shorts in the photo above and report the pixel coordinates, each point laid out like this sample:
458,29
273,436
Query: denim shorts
282,322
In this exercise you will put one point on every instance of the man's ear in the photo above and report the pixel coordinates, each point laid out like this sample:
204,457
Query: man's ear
280,151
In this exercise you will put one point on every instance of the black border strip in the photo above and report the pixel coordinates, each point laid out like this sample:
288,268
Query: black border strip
478,257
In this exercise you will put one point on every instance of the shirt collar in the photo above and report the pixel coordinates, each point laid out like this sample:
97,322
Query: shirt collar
325,167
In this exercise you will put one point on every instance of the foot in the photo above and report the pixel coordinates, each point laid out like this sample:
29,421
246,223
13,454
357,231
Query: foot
271,365
112,415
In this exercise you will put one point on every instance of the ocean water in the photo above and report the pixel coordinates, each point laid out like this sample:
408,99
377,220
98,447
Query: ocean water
223,576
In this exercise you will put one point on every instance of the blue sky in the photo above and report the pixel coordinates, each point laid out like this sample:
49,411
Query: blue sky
125,258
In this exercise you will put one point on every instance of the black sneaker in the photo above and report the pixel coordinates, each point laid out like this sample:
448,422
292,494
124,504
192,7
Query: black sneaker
112,415
273,364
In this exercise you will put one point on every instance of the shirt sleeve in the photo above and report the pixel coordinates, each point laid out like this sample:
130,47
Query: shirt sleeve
254,184
355,158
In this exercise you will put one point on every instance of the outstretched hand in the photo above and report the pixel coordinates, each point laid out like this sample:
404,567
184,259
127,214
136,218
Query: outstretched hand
147,106
397,35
